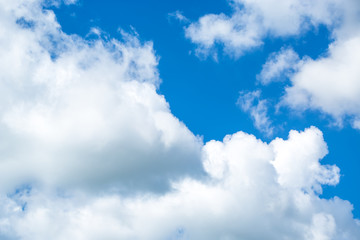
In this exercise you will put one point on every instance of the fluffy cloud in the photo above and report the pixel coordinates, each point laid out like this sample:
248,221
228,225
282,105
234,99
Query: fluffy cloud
80,115
254,191
84,113
330,84
252,20
236,33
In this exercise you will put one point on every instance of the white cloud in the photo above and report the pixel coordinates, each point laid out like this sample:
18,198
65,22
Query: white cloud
251,195
279,66
253,20
84,113
79,115
330,84
296,161
237,33
251,103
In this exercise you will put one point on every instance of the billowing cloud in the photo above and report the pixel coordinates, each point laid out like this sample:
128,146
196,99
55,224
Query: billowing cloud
84,113
330,84
88,148
254,191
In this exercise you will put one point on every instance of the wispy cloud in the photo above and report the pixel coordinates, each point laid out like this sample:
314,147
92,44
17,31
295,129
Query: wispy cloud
279,66
178,15
251,103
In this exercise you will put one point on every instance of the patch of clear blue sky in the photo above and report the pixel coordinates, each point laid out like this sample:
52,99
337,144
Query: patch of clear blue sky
203,93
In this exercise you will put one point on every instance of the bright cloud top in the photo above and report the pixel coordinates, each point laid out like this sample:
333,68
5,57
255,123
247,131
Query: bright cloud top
77,112
90,150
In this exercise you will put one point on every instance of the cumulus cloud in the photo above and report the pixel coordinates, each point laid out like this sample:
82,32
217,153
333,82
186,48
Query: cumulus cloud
330,84
253,20
255,191
251,103
84,113
80,115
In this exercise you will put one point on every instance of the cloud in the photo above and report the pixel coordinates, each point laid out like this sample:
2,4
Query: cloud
88,149
235,37
251,103
178,15
253,20
255,191
78,113
330,84
279,66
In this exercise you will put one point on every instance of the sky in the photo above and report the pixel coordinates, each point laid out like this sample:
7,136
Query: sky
212,119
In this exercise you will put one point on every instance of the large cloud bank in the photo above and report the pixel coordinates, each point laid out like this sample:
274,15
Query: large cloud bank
90,150
77,112
254,191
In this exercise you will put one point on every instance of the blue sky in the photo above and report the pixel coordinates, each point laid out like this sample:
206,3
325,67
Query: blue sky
127,103
202,92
